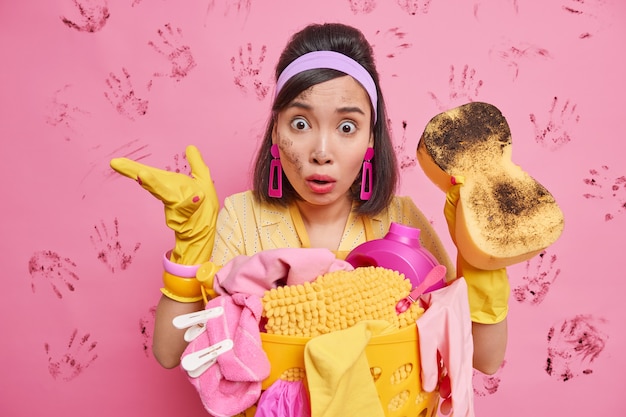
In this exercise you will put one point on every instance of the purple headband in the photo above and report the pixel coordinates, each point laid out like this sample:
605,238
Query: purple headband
331,60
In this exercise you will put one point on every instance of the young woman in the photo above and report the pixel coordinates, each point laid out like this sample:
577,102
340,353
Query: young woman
325,176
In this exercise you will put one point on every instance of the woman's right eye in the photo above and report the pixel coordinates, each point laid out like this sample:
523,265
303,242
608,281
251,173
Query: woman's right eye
299,124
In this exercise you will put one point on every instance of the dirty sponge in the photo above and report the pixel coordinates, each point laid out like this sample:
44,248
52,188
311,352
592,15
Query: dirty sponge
504,216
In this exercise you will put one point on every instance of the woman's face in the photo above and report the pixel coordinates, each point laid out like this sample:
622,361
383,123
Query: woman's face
322,136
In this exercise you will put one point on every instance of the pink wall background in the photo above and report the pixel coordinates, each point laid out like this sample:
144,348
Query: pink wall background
86,80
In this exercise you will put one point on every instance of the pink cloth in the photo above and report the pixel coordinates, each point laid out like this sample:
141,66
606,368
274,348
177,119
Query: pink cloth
284,399
445,331
234,383
275,267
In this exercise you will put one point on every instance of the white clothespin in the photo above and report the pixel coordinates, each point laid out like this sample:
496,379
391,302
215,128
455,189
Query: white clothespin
197,362
195,322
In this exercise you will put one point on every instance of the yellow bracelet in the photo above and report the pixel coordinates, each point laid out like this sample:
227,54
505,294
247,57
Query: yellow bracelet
205,275
184,290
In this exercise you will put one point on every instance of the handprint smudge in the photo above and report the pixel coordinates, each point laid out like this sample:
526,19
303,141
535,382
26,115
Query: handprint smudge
406,160
122,96
609,187
178,54
79,355
146,324
236,6
110,251
486,384
537,280
413,6
180,165
573,346
93,16
63,114
362,6
392,43
132,150
461,91
247,73
57,271
513,56
591,10
555,133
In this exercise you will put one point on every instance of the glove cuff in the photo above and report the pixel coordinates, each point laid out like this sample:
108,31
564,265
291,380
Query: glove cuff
488,292
180,285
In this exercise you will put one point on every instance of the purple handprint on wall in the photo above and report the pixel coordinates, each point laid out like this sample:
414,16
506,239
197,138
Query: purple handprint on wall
172,48
607,186
79,354
122,96
537,279
99,169
239,7
248,70
362,6
390,43
110,250
92,16
146,325
515,56
57,271
62,114
555,132
406,159
463,88
134,149
574,345
412,7
180,164
588,13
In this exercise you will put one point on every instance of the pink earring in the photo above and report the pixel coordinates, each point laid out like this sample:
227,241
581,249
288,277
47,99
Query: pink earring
275,187
366,180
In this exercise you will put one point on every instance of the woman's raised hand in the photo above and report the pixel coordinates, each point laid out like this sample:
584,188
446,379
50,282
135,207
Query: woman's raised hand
190,202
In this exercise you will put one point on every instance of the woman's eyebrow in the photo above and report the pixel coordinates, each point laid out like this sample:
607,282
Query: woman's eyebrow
340,110
300,105
350,109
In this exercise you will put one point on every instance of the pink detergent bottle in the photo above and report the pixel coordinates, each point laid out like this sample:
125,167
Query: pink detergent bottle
399,250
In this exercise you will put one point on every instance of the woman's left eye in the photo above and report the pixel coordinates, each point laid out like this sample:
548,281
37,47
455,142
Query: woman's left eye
347,127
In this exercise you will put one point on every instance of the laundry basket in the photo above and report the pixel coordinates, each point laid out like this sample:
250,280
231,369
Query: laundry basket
394,363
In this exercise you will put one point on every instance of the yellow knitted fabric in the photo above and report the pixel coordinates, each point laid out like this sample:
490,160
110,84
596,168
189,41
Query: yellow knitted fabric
337,300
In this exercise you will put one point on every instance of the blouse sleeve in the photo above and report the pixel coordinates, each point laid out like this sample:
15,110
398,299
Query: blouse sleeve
229,241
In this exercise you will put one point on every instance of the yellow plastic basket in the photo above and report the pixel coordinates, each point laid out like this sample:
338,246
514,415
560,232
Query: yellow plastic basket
394,363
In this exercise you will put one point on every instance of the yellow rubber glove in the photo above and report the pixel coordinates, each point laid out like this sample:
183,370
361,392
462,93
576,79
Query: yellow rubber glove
488,290
191,203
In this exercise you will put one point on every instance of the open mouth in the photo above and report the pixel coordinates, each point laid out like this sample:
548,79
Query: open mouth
319,184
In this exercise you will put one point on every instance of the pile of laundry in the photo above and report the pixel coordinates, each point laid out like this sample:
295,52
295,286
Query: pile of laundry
306,293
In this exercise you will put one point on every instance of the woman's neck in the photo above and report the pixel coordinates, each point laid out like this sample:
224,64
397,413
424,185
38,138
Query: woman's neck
325,224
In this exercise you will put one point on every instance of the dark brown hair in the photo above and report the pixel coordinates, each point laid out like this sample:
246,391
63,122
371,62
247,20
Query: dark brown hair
352,43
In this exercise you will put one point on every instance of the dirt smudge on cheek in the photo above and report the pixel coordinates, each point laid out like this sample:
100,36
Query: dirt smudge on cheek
289,154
